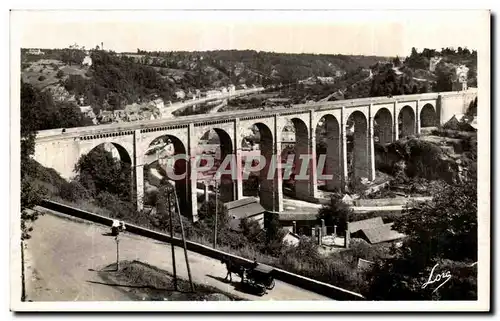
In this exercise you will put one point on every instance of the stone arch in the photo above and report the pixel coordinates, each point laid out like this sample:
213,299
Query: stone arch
299,138
162,155
328,134
124,153
360,166
266,187
406,122
118,151
227,184
382,125
428,116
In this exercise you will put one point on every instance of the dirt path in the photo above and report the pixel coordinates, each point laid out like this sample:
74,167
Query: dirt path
64,254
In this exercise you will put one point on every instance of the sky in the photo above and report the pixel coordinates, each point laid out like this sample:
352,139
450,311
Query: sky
381,33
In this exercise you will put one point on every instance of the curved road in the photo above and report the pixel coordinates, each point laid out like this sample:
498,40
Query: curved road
64,253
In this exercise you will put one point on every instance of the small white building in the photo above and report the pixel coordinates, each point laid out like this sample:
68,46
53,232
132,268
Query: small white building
87,111
213,94
36,51
87,61
180,94
248,208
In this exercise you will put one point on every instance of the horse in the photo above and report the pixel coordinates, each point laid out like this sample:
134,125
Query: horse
232,268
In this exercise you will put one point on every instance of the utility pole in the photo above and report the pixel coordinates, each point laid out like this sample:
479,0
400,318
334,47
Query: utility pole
183,240
171,239
216,207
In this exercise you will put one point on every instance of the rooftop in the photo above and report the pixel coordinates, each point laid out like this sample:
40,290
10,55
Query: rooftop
382,233
244,208
365,224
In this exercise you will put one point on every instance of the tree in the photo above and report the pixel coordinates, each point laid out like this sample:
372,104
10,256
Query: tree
336,213
98,171
396,61
441,234
444,81
274,236
30,194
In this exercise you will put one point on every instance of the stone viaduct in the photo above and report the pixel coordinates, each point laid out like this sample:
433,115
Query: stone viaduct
394,117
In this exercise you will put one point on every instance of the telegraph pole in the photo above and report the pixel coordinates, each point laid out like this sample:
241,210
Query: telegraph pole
172,239
183,240
216,207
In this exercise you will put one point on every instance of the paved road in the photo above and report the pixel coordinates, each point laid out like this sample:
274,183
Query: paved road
63,255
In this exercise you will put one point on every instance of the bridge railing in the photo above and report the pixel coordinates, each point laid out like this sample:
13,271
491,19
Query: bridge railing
184,120
323,288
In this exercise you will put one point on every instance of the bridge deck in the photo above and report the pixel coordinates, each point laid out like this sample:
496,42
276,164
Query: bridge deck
185,120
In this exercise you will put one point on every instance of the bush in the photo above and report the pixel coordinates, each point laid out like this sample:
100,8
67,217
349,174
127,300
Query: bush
42,78
118,208
150,197
60,74
74,191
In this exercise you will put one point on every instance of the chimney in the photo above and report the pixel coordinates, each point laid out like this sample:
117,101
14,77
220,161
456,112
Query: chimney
294,229
102,45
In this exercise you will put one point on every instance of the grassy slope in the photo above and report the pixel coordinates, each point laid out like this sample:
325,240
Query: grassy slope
142,281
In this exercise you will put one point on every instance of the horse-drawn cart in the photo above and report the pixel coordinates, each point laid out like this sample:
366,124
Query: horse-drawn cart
259,278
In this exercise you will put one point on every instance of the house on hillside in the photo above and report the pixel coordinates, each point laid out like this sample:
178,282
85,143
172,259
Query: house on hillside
87,111
213,94
246,208
180,94
119,115
133,117
191,95
461,83
132,108
156,104
87,61
35,51
454,122
326,80
105,116
147,115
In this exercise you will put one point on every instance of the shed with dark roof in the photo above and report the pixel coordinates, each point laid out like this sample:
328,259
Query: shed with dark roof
379,234
248,208
370,223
